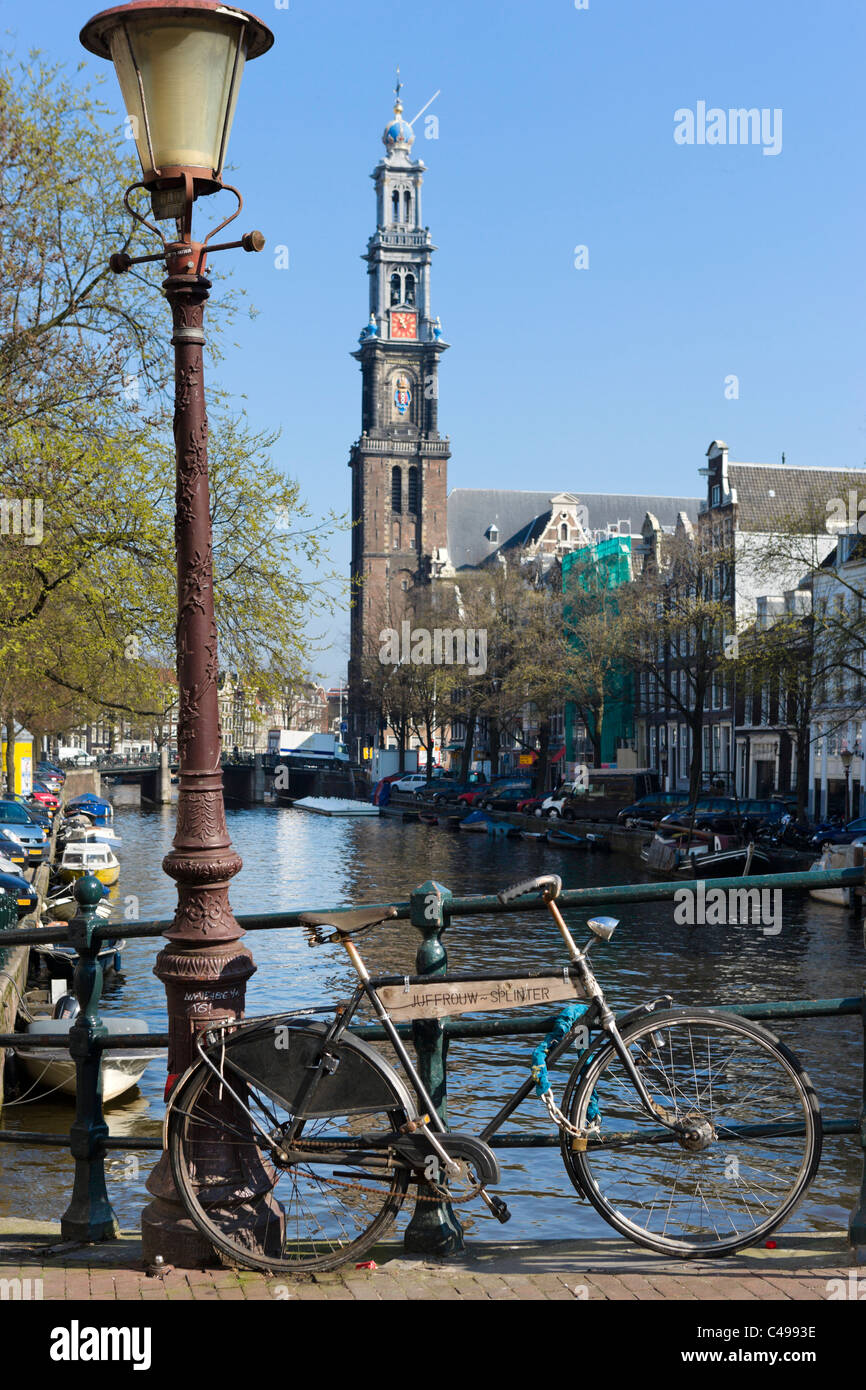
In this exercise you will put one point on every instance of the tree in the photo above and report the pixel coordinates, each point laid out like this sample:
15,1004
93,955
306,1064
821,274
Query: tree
91,609
680,615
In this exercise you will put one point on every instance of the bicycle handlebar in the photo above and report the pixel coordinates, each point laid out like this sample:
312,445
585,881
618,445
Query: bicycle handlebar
531,885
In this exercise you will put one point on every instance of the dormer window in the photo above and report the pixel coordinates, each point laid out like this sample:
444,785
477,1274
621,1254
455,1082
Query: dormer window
716,495
492,533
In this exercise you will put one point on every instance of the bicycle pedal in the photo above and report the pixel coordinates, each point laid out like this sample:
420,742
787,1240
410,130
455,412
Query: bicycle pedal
497,1207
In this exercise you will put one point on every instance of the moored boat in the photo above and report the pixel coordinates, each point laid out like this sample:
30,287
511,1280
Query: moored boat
726,863
80,858
837,857
566,840
52,1068
99,811
335,806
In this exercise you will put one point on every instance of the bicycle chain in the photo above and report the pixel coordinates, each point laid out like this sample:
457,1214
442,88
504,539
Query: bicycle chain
439,1193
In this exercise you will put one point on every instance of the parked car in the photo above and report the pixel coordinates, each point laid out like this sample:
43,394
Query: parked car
763,814
50,772
719,813
505,797
409,782
44,796
439,782
844,835
649,810
531,805
37,813
452,791
18,821
11,847
22,893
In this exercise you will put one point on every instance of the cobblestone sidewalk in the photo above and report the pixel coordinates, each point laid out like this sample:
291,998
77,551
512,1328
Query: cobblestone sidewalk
801,1268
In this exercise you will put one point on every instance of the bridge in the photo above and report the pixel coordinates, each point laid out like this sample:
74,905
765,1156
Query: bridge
243,777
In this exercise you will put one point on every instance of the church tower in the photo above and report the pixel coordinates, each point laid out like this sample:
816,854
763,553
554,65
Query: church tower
400,463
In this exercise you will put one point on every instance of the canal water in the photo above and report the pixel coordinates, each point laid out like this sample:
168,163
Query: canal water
294,860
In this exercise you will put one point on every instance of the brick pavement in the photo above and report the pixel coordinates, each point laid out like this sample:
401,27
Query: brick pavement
590,1270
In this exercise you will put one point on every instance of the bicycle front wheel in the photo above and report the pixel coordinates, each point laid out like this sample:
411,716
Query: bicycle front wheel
752,1146
293,1218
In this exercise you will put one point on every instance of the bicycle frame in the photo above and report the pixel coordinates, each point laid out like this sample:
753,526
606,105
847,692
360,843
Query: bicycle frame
598,1015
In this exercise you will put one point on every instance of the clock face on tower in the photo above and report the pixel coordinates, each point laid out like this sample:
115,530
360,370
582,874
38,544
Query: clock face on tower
404,325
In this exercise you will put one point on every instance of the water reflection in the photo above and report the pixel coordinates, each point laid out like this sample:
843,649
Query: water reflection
292,860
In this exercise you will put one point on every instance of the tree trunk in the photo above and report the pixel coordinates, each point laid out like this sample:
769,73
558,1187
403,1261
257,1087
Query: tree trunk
803,787
466,755
696,766
494,747
540,779
10,754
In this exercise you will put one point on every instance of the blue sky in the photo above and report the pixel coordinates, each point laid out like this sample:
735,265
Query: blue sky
556,130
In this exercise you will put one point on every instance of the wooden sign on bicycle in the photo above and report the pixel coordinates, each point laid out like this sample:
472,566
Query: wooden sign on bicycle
441,999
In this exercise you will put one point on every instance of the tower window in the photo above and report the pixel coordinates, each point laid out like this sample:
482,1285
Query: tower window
395,206
413,490
409,289
396,489
395,288
407,204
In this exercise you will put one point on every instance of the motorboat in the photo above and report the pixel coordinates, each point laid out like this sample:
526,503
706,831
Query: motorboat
838,857
100,811
566,839
335,806
726,863
87,833
665,852
80,858
59,958
52,1068
476,821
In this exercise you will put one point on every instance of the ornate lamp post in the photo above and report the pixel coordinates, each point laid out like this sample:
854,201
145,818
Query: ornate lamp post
179,66
847,756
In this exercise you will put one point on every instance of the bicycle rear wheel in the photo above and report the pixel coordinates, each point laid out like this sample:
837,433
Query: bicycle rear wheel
755,1130
289,1219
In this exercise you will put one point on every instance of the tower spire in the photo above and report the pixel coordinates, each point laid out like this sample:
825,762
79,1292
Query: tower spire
398,105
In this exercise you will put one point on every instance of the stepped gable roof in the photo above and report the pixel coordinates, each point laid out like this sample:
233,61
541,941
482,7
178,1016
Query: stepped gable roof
521,517
768,495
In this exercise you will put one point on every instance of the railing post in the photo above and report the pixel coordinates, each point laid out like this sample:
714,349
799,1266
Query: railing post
857,1224
434,1229
90,1215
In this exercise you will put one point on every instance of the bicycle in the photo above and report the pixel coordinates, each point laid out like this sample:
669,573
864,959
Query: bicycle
293,1143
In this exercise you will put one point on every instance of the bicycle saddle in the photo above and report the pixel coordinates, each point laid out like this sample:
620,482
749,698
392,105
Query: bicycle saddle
346,923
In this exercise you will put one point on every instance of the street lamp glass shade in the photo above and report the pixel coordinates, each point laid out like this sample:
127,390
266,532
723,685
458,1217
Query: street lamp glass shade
179,67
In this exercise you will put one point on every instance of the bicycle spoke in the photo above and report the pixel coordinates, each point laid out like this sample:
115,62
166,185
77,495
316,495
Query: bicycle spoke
715,1184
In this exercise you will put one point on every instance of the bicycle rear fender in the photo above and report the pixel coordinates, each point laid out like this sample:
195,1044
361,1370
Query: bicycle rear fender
277,1061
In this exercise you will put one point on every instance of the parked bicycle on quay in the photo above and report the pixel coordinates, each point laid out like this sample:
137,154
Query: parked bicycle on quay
293,1143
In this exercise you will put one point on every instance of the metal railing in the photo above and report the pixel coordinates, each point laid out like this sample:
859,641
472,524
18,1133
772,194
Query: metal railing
90,1216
